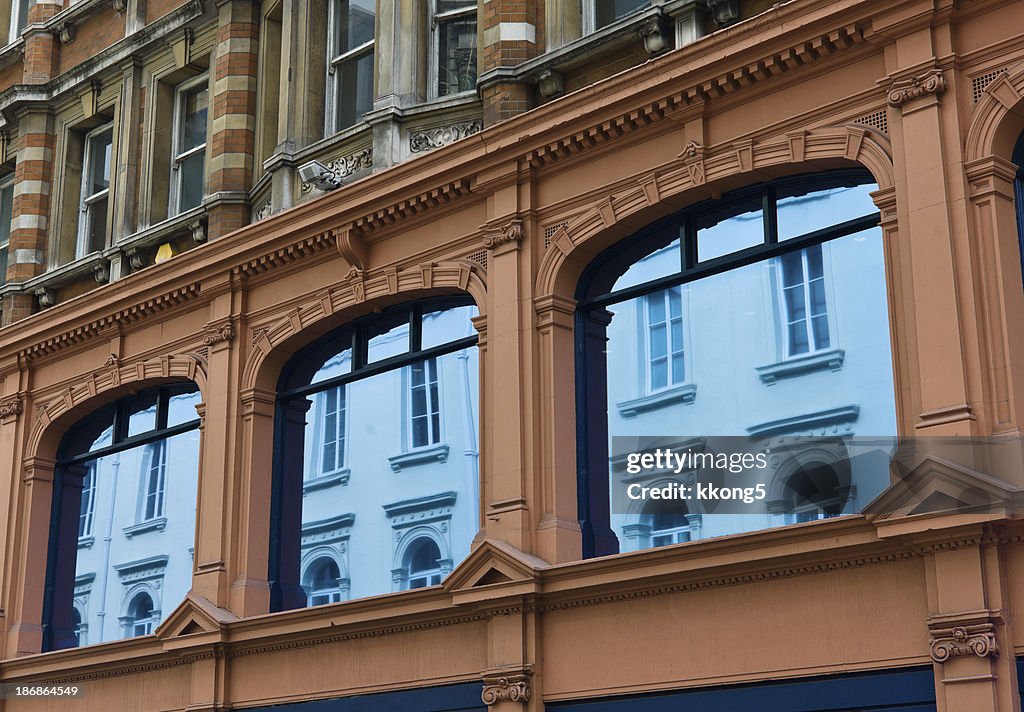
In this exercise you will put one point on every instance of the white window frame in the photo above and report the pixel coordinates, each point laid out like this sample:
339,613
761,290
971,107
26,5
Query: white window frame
147,625
340,434
784,316
333,594
334,62
430,577
89,200
154,450
17,21
590,16
88,511
433,437
674,380
177,156
434,56
6,182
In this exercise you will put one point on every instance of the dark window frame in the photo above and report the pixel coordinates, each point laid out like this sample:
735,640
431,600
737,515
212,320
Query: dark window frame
595,292
66,504
293,391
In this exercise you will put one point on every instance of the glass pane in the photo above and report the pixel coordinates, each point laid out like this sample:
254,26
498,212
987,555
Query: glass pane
456,62
447,325
195,104
734,328
6,211
141,414
97,217
662,262
337,365
389,486
607,11
354,24
3,264
730,235
355,90
801,214
388,339
99,162
22,14
181,408
191,181
159,558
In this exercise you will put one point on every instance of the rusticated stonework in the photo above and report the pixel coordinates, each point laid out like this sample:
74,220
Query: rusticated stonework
931,82
513,687
420,141
963,641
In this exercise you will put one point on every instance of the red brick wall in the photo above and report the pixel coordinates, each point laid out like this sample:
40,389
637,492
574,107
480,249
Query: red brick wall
95,33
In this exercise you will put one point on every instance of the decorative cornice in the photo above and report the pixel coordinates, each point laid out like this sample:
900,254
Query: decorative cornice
219,333
509,233
286,255
903,91
414,205
10,408
506,687
963,641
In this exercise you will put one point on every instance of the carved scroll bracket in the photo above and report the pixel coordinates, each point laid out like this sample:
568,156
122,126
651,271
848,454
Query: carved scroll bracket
931,82
351,246
507,686
511,233
963,636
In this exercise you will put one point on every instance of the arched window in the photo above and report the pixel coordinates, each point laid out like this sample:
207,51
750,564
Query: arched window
323,582
424,563
123,512
738,326
815,490
1018,194
380,415
141,619
79,628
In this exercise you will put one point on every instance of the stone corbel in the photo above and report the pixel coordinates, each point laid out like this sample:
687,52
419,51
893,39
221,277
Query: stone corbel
181,47
46,296
964,635
198,231
136,258
511,233
725,12
65,32
10,409
352,247
655,34
930,83
89,98
551,83
120,5
507,686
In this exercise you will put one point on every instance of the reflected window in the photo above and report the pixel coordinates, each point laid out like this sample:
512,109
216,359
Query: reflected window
130,472
605,12
454,23
378,427
813,491
6,215
323,582
424,563
80,627
350,68
735,332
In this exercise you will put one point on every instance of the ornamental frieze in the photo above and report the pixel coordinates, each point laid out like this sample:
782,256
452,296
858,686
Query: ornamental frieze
420,141
345,166
929,83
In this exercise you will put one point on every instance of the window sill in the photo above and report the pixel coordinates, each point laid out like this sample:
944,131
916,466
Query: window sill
685,394
419,456
339,477
831,359
86,542
152,525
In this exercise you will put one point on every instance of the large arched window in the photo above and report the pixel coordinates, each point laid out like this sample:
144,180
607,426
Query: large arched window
752,322
123,518
1018,194
376,445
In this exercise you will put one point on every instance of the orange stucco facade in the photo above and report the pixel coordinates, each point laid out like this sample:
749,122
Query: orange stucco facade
927,95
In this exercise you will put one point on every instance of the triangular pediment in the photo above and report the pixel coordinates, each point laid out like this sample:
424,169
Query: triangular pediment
494,563
196,614
938,487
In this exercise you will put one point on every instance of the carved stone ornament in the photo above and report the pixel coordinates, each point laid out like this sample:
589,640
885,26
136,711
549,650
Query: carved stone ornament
506,234
219,334
420,141
10,408
514,687
963,641
346,165
931,82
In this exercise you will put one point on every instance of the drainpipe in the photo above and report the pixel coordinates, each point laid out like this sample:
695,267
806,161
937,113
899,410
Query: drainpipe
471,451
108,537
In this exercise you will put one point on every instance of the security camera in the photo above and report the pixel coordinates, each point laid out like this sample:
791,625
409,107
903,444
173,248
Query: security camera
318,175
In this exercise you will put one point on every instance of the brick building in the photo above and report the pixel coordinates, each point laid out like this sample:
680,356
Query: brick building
324,322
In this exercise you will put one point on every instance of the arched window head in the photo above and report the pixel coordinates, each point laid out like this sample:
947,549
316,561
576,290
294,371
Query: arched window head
141,617
814,491
380,415
761,315
323,582
424,563
123,511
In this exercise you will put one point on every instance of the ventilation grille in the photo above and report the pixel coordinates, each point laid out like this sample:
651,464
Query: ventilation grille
980,83
550,230
479,257
879,121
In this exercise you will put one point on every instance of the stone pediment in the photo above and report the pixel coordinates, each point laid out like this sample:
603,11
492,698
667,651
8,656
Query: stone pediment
494,569
196,614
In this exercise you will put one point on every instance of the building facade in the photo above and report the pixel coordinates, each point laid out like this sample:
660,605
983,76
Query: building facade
328,328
